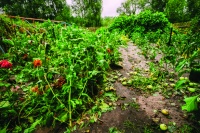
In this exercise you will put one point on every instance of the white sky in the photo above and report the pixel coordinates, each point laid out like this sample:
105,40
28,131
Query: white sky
109,7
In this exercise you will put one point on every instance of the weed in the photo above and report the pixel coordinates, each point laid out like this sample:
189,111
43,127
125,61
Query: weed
147,129
129,124
185,129
115,130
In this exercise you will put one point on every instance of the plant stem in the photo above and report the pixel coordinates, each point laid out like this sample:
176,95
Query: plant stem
53,91
69,104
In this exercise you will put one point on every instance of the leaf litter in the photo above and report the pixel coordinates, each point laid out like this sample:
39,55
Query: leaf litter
135,111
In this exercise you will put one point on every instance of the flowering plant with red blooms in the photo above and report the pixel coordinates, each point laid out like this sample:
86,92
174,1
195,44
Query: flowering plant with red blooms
108,50
25,56
37,63
60,82
5,64
36,90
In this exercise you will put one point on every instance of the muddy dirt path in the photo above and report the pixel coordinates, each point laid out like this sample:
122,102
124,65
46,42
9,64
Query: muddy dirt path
130,119
154,103
149,106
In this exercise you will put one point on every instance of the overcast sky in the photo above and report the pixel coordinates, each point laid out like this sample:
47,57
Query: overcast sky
109,7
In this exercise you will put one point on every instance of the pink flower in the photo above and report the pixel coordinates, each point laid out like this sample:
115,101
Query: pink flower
15,88
5,64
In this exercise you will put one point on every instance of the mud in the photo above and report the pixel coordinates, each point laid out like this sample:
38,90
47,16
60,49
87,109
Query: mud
149,106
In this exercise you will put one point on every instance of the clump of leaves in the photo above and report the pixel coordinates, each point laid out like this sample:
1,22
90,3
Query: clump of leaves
144,22
57,72
191,103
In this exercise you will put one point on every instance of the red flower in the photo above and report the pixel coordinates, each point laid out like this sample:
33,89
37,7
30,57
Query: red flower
21,99
60,82
5,64
35,89
37,63
108,50
25,56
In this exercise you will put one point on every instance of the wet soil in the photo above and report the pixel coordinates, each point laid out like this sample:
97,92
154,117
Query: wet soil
150,106
129,119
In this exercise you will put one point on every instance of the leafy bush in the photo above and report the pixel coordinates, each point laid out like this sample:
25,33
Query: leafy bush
144,22
122,23
55,73
152,21
107,21
7,31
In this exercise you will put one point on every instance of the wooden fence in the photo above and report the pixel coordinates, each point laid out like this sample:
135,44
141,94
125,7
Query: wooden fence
36,19
182,25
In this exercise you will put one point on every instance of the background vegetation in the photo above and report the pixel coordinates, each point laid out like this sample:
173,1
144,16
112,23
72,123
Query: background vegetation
88,12
47,67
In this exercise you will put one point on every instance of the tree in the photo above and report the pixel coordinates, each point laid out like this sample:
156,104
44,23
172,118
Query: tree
88,11
176,11
34,8
130,7
158,5
64,15
193,7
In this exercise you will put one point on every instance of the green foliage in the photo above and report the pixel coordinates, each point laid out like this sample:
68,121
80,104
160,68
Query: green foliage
122,23
150,31
128,7
89,12
74,63
195,25
158,5
152,21
107,21
115,130
7,30
34,8
185,129
176,11
64,15
190,48
191,104
193,8
144,22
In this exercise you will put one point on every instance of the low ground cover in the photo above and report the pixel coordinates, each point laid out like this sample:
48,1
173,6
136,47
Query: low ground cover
50,73
54,75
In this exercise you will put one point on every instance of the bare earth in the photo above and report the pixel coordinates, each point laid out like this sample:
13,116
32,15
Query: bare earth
149,106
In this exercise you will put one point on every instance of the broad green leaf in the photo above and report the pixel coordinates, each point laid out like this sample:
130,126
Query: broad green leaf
8,41
92,73
63,117
73,104
4,104
3,130
32,128
5,84
12,111
104,107
191,104
194,55
180,83
93,118
17,129
180,65
111,96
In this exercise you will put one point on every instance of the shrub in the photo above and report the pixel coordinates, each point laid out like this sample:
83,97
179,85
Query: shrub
144,22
